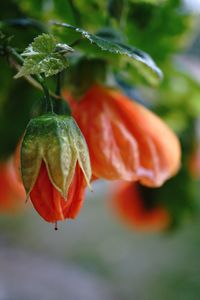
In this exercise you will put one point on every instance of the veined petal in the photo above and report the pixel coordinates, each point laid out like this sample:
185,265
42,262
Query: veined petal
50,204
126,141
162,137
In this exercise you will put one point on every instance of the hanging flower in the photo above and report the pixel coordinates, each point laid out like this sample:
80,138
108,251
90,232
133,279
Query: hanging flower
55,166
125,140
11,189
137,212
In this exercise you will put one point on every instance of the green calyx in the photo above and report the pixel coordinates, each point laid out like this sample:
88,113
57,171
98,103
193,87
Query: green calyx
58,142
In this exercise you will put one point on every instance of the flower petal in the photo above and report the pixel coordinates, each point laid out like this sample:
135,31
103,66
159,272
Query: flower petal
126,141
129,205
50,204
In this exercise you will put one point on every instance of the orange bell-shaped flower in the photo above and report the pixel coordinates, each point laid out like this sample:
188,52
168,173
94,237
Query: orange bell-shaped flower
11,189
49,202
127,201
125,140
55,166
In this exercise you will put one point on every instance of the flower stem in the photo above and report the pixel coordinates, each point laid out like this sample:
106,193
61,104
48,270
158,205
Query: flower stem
35,80
47,97
38,78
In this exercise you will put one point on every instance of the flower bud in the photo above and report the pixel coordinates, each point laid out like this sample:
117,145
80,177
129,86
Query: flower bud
58,142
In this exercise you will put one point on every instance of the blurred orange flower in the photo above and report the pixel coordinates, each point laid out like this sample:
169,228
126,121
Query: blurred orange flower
194,162
48,201
125,140
130,207
11,188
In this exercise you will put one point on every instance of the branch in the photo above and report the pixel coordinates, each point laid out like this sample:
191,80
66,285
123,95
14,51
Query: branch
35,81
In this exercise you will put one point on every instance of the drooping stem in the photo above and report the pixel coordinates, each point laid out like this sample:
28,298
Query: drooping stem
11,51
35,80
38,81
60,106
47,97
38,78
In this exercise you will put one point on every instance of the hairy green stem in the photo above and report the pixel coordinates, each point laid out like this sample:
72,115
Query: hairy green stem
47,97
36,80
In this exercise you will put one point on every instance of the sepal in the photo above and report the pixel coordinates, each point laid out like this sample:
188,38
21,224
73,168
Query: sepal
58,142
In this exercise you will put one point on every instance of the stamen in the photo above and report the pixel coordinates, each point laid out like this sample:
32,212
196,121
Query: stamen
56,226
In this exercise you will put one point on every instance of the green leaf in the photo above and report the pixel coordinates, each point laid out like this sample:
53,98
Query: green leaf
139,59
44,55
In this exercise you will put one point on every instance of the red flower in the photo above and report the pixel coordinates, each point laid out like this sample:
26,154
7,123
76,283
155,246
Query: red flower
48,201
11,188
125,140
55,166
129,205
